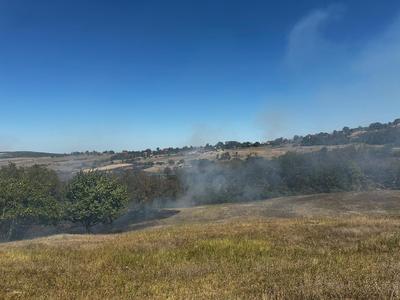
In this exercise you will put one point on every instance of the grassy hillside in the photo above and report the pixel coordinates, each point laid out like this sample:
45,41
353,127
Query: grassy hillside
327,246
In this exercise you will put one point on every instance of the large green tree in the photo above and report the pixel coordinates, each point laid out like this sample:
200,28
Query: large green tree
29,195
94,197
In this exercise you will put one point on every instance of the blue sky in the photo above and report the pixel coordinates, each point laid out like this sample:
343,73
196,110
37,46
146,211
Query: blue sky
84,75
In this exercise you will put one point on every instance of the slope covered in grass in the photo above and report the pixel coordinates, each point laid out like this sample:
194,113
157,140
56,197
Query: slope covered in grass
352,254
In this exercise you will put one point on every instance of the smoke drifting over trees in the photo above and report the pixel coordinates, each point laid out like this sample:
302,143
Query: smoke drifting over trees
35,195
348,169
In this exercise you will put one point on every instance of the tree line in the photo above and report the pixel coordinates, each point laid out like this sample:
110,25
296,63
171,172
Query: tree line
353,168
373,134
35,195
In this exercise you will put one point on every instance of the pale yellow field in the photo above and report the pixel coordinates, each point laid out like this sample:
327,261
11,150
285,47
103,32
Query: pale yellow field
337,246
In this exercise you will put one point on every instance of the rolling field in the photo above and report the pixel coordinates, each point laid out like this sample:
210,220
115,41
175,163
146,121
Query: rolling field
67,165
344,245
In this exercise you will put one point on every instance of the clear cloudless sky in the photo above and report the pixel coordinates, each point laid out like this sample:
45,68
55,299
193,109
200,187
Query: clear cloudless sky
97,75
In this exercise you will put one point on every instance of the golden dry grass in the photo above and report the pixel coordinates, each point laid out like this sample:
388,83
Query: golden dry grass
241,258
109,167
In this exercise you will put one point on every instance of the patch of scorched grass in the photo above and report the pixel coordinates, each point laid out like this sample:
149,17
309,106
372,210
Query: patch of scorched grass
347,257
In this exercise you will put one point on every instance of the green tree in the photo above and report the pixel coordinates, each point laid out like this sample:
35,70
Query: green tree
27,196
94,197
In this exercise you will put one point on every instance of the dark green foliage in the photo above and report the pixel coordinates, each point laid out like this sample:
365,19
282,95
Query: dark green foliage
320,172
348,169
27,196
382,136
144,188
94,197
374,134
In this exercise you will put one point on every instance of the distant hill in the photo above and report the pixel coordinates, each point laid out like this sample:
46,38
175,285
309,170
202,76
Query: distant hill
33,154
374,134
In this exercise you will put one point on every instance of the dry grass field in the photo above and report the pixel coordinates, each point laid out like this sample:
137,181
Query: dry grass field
65,166
326,246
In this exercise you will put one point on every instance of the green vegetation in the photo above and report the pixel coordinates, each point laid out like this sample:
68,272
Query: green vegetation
340,258
145,189
27,196
93,198
352,168
347,169
35,196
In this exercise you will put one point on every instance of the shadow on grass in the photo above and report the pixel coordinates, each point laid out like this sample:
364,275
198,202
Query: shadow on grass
135,220
132,220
